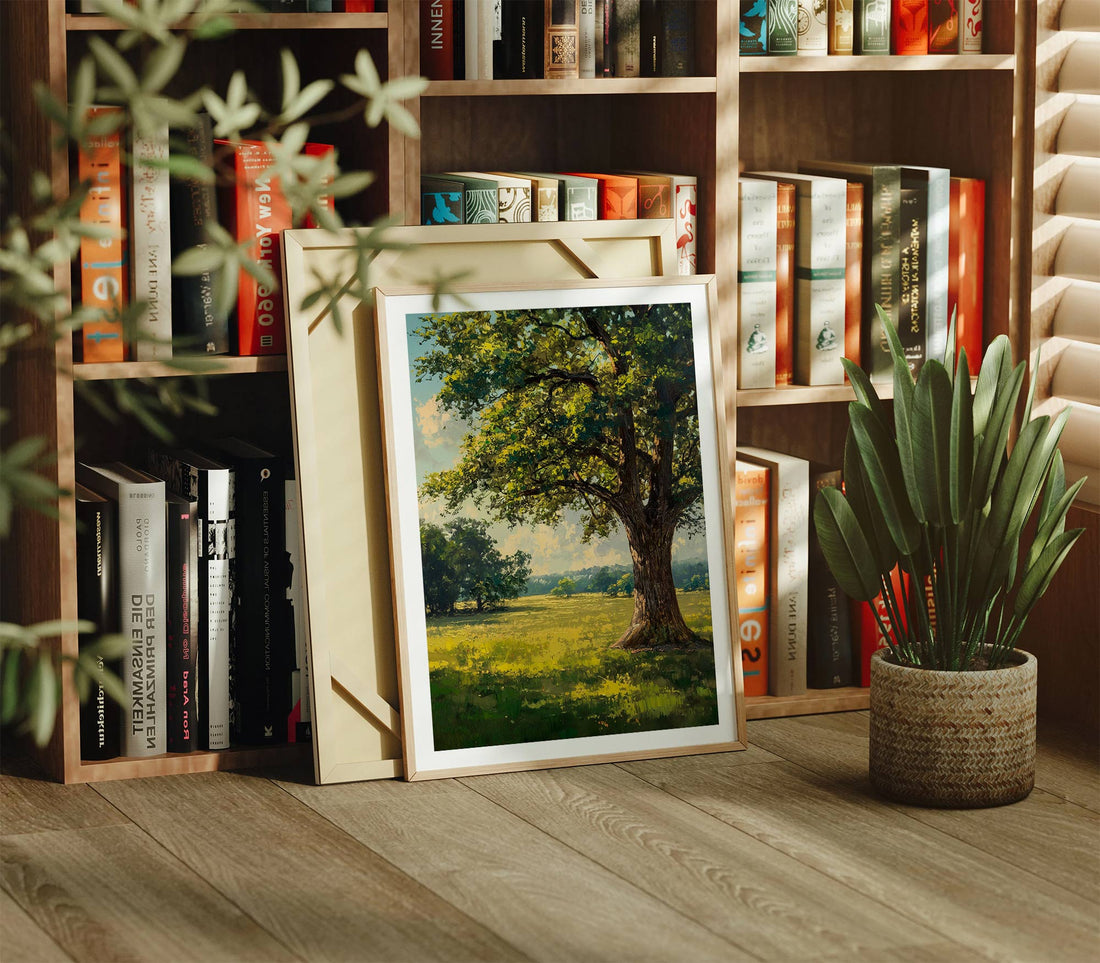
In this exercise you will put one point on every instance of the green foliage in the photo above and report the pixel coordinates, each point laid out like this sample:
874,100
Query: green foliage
132,69
462,563
565,588
624,586
939,493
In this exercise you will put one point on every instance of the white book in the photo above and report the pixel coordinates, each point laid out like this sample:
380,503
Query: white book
586,56
813,28
756,273
151,244
789,510
685,190
514,195
470,40
936,259
821,261
970,26
143,609
544,193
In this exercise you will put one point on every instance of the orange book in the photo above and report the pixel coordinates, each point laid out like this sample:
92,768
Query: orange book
966,265
910,26
751,546
617,196
853,272
104,271
784,284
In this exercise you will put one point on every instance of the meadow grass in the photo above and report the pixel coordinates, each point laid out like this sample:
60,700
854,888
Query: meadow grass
543,668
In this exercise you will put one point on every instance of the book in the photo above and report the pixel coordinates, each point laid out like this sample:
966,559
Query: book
522,37
654,195
442,200
685,188
676,40
437,39
752,28
649,37
561,39
97,597
151,244
473,40
182,623
544,196
871,20
751,541
513,195
756,279
784,282
300,713
936,185
970,26
788,566
195,315
909,26
209,482
829,662
586,33
943,26
881,254
480,198
853,272
841,27
261,647
604,67
141,598
104,264
616,195
813,27
625,37
782,27
577,196
966,265
912,276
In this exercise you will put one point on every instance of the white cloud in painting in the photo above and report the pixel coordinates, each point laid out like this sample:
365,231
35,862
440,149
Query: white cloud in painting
433,421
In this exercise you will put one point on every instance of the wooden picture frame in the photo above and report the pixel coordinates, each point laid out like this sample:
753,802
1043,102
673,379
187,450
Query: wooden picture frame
338,448
503,433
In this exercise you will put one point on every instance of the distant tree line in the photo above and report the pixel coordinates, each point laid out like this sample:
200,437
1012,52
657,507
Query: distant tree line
463,564
614,580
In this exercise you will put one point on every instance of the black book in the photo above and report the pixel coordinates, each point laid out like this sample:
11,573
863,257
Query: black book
97,602
649,20
829,659
676,41
261,641
521,43
442,201
912,287
182,627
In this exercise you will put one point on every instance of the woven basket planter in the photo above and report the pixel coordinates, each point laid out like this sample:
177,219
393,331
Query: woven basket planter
958,739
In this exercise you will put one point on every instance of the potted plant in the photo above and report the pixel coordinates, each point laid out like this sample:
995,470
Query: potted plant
960,537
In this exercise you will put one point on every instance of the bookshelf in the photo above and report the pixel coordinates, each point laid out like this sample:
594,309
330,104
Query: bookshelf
967,113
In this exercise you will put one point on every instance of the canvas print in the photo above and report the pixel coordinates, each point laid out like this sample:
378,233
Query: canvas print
561,535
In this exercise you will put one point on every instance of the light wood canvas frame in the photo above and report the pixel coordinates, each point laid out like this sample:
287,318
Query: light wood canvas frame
338,448
422,759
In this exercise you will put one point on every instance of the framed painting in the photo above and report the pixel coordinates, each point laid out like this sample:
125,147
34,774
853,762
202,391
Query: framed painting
560,524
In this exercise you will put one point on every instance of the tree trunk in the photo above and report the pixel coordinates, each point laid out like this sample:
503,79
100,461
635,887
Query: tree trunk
657,621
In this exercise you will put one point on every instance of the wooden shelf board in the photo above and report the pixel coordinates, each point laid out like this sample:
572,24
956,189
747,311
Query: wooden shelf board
622,85
847,699
803,395
172,764
160,369
252,21
835,64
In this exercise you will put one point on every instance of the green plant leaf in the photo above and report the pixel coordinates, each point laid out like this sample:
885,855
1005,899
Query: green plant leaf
1039,576
42,698
931,435
857,494
961,453
162,64
879,455
993,376
1052,520
994,437
198,260
845,546
865,391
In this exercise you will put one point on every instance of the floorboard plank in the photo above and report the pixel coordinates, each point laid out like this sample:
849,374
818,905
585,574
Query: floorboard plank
848,834
291,870
1068,766
540,896
22,940
770,905
110,893
1044,834
30,805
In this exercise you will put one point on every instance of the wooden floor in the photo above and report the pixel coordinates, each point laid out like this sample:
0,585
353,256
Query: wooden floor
778,853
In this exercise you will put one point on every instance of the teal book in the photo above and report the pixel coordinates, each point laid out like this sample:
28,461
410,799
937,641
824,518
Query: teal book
753,27
442,200
782,27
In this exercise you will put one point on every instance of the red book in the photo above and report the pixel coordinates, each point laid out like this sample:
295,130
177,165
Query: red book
943,26
358,6
910,26
321,150
866,633
617,199
966,265
437,39
751,546
104,272
784,284
853,272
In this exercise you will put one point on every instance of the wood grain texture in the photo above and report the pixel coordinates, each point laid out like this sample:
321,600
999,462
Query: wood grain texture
22,939
838,827
289,869
767,905
30,805
112,894
547,900
1068,766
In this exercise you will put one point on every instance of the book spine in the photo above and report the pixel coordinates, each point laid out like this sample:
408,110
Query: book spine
966,265
970,26
756,282
547,207
488,34
753,27
218,545
437,39
296,614
617,199
481,206
783,27
514,204
937,256
97,596
820,259
441,206
193,206
470,37
912,329
328,153
943,26
841,27
182,623
813,28
910,27
882,265
104,271
784,283
521,40
626,38
654,196
829,660
751,561
684,214
142,580
872,27
151,245
677,38
586,33
578,202
649,31
853,278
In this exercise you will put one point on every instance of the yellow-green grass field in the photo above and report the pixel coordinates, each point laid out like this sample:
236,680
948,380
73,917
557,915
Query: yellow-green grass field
543,668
